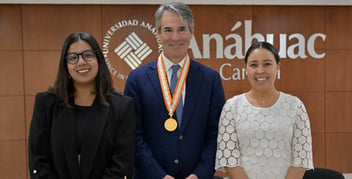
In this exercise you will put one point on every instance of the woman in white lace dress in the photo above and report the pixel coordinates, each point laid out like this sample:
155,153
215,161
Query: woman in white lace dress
264,133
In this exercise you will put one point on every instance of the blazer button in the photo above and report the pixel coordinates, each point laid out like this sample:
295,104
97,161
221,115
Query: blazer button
34,171
176,161
180,137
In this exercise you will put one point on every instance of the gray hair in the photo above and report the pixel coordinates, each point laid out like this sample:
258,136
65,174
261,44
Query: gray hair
175,7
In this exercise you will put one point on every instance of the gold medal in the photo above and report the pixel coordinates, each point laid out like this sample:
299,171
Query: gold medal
170,124
171,101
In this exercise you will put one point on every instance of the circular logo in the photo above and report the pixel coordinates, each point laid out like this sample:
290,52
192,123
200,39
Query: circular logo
129,44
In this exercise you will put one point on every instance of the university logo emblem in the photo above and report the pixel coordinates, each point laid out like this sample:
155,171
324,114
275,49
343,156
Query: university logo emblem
133,50
129,44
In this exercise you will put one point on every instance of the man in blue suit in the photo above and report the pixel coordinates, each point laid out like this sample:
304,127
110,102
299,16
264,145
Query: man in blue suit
178,104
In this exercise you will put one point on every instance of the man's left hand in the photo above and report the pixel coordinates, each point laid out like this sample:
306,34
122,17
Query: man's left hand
192,176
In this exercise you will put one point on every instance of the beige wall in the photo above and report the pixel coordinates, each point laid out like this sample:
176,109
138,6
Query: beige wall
32,35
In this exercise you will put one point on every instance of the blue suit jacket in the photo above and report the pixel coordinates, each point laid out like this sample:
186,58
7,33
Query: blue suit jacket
189,149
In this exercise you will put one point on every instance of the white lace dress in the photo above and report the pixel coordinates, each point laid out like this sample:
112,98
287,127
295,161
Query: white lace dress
264,141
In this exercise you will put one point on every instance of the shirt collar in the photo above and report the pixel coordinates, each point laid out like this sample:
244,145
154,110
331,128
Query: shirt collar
168,63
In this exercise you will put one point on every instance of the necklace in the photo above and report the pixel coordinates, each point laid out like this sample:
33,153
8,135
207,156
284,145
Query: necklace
265,101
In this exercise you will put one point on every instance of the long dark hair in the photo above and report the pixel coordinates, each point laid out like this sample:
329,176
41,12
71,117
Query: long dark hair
264,45
63,87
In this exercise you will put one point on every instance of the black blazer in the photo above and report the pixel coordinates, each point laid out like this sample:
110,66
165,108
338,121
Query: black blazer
107,149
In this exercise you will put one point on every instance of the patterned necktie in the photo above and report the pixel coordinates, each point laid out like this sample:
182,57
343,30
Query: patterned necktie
174,79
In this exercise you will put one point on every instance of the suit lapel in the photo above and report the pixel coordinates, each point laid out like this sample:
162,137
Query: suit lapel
94,131
154,79
193,86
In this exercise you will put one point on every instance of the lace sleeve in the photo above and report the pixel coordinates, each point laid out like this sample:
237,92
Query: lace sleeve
227,154
302,140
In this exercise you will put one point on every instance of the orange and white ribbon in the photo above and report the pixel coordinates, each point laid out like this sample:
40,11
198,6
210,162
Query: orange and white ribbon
172,101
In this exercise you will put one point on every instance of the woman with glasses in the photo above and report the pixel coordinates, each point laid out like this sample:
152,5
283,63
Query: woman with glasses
81,127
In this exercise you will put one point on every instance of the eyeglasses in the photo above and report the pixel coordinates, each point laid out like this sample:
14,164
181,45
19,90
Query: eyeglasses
87,55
